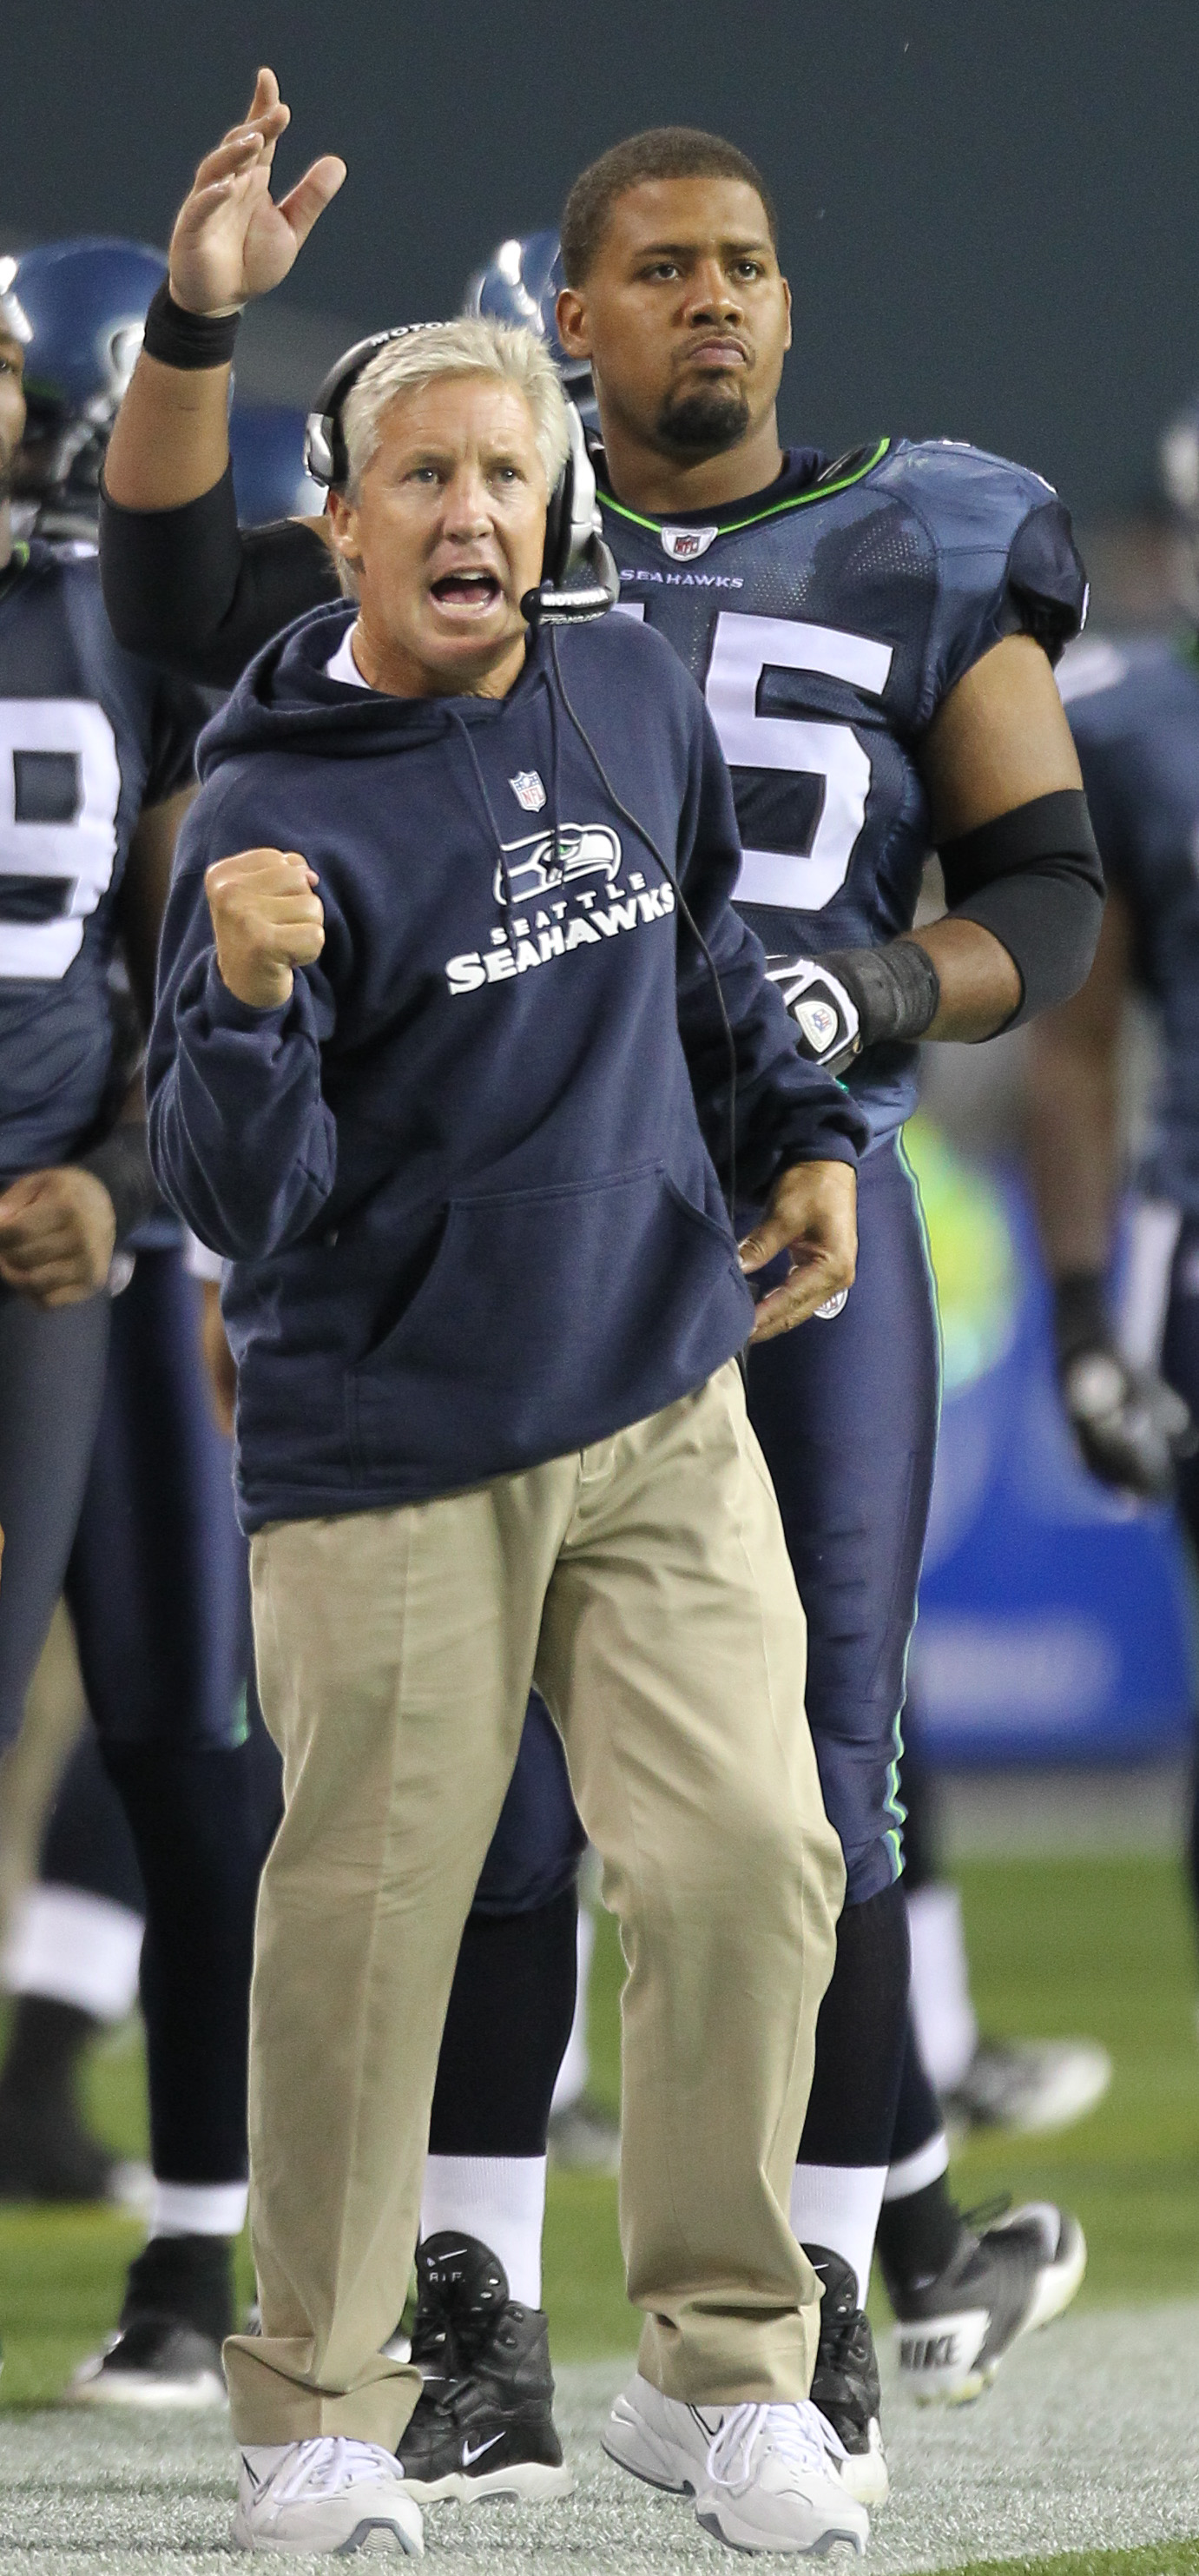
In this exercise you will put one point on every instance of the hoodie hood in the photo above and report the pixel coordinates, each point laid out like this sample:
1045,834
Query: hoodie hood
285,700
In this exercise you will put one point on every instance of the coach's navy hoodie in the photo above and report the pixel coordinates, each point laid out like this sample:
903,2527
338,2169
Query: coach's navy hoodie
466,1175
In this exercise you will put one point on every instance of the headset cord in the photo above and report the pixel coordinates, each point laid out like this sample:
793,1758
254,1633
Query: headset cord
730,1195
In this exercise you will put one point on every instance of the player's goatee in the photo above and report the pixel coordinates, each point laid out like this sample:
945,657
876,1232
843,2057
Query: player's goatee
708,421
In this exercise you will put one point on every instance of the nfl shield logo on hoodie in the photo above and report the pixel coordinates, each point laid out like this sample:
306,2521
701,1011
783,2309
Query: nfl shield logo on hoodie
528,790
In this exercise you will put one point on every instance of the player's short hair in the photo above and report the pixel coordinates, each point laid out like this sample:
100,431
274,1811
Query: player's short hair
664,152
469,347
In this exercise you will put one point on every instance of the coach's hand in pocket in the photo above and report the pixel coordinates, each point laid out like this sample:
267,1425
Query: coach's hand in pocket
813,1215
268,918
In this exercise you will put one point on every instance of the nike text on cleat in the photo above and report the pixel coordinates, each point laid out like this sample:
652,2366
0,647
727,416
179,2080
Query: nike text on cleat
327,2496
763,2477
952,2332
845,2383
483,2425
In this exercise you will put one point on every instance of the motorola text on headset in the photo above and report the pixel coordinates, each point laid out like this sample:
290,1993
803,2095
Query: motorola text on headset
579,579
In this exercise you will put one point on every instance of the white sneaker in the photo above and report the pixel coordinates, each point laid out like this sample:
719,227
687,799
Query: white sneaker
763,2477
326,2495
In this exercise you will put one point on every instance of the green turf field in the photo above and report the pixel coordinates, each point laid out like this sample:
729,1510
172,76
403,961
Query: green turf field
1074,1946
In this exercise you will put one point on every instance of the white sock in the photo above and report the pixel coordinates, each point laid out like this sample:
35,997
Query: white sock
941,2008
73,1948
576,2065
838,2206
198,2208
499,2199
917,2171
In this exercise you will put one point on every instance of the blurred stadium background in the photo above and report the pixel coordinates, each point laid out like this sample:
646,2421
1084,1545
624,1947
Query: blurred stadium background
988,219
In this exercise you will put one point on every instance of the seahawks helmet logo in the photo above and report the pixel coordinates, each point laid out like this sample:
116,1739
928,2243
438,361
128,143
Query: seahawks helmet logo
542,863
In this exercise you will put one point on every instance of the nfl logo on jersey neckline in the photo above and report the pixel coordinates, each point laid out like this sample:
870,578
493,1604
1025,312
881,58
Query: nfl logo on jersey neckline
528,790
683,544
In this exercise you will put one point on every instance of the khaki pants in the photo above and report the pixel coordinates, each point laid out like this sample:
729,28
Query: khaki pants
644,1583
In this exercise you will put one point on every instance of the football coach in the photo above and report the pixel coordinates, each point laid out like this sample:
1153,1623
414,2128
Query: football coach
458,1044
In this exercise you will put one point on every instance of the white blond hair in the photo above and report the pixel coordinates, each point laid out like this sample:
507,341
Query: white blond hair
468,347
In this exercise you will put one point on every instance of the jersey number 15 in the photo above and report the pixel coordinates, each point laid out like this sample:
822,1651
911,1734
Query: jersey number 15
743,650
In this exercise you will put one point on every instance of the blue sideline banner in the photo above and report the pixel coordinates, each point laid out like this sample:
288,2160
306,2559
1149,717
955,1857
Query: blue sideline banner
1056,1618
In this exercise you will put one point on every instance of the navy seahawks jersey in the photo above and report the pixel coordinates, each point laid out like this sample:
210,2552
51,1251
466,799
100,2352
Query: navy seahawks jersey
826,620
1134,714
88,735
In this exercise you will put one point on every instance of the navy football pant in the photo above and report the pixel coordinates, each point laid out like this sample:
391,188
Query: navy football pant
51,1384
156,1584
1180,1364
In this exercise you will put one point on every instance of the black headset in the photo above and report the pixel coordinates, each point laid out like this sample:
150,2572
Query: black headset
579,579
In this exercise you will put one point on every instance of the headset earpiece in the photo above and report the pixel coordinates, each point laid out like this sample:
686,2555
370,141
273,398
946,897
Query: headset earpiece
324,438
579,579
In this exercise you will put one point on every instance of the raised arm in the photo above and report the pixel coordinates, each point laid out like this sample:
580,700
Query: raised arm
230,243
182,584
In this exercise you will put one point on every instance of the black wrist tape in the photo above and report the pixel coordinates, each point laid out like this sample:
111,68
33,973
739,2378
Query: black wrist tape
895,990
122,1163
1080,1317
182,339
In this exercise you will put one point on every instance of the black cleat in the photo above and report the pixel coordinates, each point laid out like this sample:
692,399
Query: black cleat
845,2383
46,2153
953,2331
166,2351
484,2423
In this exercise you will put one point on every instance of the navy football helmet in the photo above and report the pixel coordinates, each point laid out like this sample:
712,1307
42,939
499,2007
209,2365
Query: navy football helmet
266,445
521,283
79,307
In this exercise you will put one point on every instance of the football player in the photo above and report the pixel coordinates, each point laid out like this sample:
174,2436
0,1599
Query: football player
95,773
1129,1371
875,636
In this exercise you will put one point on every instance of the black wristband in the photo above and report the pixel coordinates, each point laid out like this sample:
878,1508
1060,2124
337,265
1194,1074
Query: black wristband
895,990
122,1162
1080,1317
182,339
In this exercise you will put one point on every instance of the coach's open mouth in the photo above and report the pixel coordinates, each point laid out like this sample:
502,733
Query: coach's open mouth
466,589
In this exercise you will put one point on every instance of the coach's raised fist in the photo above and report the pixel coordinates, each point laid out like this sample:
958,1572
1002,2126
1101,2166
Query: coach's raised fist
268,918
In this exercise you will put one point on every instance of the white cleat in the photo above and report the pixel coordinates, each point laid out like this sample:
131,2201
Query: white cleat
763,2477
1028,2086
328,2496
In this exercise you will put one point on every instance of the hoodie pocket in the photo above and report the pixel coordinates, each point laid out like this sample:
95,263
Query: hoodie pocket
548,1319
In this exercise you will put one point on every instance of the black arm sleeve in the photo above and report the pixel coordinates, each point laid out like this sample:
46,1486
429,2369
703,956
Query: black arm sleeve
1033,878
191,589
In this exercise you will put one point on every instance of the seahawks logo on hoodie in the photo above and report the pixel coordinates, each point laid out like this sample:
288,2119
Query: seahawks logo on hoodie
579,850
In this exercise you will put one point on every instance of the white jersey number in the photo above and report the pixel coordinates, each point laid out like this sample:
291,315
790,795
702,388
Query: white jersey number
60,785
799,746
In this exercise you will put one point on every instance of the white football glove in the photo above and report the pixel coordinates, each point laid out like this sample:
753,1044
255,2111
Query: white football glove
825,1017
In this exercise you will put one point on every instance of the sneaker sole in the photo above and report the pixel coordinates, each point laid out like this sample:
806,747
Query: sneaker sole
369,2534
525,2482
1056,2285
743,2536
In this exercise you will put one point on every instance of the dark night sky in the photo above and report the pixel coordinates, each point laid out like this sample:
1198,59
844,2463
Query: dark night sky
990,207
